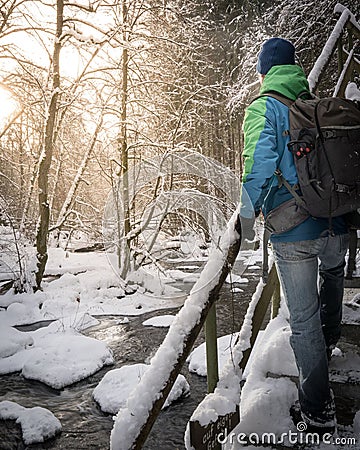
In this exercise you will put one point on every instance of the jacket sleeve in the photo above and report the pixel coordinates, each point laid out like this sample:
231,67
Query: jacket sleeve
260,150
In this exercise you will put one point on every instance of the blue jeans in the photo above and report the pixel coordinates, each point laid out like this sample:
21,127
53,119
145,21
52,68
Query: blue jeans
314,295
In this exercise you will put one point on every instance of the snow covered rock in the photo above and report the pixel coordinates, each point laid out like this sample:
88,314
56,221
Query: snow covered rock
114,389
37,424
12,340
21,308
352,92
197,358
65,358
159,321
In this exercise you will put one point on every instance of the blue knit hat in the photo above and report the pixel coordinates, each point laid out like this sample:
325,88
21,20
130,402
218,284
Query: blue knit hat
275,52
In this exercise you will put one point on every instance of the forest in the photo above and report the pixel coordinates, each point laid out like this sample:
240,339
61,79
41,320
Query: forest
120,122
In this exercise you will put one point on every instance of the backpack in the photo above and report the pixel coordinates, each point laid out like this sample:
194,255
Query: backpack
325,142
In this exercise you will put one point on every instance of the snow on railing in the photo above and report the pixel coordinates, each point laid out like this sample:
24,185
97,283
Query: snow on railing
343,73
134,418
339,9
226,396
330,46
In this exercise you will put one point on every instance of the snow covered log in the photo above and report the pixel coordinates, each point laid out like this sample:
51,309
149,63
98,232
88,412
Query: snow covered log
133,423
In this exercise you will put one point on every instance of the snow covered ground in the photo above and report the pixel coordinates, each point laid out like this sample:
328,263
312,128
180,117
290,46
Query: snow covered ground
85,286
79,287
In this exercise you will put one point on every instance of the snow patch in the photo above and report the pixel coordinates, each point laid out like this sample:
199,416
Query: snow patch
37,424
159,321
12,341
58,359
232,278
352,92
114,389
64,359
197,358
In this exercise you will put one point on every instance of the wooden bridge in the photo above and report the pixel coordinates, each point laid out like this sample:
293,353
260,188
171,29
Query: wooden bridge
136,423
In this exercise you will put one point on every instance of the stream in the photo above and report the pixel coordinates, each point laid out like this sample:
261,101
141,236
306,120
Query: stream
84,425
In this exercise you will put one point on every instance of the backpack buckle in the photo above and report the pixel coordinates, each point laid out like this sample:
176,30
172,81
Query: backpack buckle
329,134
342,188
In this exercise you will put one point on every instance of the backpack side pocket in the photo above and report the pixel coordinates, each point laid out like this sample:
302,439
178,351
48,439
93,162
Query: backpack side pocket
285,217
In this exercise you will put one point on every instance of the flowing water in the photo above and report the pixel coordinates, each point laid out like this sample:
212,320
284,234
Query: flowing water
84,425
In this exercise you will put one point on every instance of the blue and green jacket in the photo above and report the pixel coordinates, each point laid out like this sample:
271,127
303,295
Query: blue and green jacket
265,128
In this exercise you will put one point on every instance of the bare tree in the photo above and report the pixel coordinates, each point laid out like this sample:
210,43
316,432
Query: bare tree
46,156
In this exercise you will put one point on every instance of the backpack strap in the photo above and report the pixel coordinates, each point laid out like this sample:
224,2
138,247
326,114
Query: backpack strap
283,98
280,97
292,189
282,181
277,96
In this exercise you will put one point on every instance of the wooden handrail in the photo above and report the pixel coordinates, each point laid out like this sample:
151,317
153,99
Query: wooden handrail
346,21
352,23
182,338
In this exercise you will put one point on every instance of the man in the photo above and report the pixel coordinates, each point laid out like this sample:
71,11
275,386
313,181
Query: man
315,311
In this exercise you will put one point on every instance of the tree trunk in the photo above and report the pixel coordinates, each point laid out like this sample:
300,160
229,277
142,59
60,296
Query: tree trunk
124,260
46,156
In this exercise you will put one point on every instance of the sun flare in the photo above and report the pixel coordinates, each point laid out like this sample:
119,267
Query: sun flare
8,106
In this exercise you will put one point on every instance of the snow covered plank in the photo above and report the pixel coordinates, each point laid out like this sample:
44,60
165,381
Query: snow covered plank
344,77
268,290
133,423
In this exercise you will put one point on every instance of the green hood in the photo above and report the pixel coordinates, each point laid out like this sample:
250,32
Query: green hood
288,80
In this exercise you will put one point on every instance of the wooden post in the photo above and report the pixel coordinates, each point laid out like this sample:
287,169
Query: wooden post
350,38
275,301
340,55
260,311
211,349
351,46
